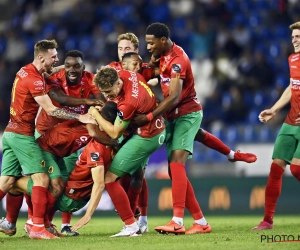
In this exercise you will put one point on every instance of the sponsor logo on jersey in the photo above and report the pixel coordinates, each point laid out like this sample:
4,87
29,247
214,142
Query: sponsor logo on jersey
176,68
294,59
22,73
294,81
38,83
95,156
164,80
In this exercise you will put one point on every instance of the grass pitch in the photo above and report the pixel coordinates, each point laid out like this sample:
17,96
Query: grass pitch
229,233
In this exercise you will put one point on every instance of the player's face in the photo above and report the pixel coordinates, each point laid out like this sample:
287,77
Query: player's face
112,92
134,63
49,59
296,40
125,46
154,45
74,68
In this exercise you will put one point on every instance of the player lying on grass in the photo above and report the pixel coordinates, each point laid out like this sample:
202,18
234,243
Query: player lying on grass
86,180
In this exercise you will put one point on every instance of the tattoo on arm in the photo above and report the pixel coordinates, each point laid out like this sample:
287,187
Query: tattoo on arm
63,114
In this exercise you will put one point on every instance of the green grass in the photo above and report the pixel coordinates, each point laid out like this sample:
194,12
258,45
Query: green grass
229,233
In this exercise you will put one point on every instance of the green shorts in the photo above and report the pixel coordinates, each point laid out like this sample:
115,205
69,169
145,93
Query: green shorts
135,154
21,153
180,133
66,204
56,166
287,144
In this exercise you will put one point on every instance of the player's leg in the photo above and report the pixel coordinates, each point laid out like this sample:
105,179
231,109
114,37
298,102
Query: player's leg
283,153
132,155
143,206
213,142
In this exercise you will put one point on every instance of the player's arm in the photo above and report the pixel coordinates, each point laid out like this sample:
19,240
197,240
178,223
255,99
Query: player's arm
71,101
45,102
97,190
101,137
113,130
284,99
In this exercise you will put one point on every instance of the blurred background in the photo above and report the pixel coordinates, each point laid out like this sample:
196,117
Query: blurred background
238,50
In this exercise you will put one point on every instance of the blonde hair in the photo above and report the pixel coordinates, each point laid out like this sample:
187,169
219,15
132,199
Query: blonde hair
295,26
43,46
130,37
106,77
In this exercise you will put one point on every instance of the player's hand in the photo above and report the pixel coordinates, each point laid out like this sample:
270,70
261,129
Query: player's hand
139,121
93,111
95,102
298,120
266,115
83,221
154,61
87,118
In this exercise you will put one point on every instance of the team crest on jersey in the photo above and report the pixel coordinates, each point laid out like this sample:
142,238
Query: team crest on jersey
43,164
82,92
163,67
50,169
95,156
120,114
176,68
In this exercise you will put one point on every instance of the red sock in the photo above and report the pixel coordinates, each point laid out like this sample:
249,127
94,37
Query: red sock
2,194
143,199
125,182
29,204
295,169
39,204
50,206
13,206
133,196
179,186
191,202
215,143
66,218
120,201
273,191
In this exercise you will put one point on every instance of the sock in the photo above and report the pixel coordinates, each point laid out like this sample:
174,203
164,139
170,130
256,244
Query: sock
133,226
143,199
50,206
13,206
201,222
192,204
273,191
65,225
143,219
39,203
215,143
178,220
179,186
295,169
29,205
120,201
2,194
125,182
66,218
133,195
231,155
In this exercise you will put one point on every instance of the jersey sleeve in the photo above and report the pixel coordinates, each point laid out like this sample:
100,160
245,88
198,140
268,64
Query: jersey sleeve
126,112
178,68
52,82
94,153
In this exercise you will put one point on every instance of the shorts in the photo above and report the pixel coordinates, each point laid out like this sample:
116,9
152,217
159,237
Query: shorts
21,153
56,166
287,144
135,154
66,204
70,161
181,132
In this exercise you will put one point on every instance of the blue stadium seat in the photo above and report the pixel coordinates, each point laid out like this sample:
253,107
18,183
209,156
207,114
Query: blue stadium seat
70,43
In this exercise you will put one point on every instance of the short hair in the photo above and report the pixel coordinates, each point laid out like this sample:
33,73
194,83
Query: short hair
158,30
130,37
109,111
128,55
295,26
106,77
43,46
74,53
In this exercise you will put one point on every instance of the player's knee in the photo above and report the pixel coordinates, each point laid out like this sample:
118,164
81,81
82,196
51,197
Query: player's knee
295,170
200,135
41,179
57,187
6,183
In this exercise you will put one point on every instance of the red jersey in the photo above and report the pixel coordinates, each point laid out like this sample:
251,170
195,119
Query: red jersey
176,64
28,84
80,182
136,97
116,65
82,90
293,114
65,138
